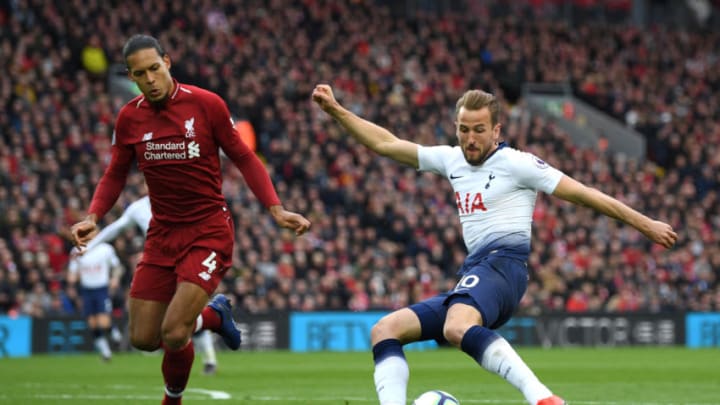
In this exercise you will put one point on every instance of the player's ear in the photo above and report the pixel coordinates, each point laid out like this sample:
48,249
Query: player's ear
167,61
496,130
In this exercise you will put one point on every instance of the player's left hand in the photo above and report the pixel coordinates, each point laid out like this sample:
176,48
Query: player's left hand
83,231
290,220
661,233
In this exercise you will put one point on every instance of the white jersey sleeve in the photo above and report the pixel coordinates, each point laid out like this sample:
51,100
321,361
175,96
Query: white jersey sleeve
534,173
94,266
433,158
137,214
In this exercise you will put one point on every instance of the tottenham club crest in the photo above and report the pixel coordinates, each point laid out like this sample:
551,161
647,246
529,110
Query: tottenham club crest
491,177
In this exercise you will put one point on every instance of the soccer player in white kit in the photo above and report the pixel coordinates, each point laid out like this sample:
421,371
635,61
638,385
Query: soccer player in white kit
495,187
98,271
139,214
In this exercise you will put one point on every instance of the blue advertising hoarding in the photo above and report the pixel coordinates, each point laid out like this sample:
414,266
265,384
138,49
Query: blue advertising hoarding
702,329
337,331
15,336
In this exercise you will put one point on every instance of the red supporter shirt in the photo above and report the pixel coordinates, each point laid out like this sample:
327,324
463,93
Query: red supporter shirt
177,148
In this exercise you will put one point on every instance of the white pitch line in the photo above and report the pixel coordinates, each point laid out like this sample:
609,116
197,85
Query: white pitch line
73,397
221,395
204,394
212,393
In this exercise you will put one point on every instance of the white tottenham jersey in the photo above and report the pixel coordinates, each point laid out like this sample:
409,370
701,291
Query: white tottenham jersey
95,266
495,200
138,213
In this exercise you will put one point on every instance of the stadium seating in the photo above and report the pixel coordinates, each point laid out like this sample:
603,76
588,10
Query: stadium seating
383,235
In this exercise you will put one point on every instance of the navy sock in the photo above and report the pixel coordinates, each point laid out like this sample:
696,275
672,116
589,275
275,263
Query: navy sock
387,348
476,340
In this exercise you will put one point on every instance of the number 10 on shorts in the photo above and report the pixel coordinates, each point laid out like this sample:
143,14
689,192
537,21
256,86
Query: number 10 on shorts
211,265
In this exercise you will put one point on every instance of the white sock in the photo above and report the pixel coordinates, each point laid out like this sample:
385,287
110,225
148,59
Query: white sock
101,344
198,324
501,359
391,380
173,394
208,347
116,334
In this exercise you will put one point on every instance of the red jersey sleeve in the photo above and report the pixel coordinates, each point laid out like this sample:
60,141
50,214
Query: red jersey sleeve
113,180
252,169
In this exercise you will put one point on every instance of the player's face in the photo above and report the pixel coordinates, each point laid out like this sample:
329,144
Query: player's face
151,73
476,134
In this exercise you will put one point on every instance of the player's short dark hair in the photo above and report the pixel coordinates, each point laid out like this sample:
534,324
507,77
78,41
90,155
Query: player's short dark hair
477,100
141,41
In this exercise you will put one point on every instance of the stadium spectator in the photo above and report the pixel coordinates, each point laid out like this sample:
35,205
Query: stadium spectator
496,226
56,126
175,132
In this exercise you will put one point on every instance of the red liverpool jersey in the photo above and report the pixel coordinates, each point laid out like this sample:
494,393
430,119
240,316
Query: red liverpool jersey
176,145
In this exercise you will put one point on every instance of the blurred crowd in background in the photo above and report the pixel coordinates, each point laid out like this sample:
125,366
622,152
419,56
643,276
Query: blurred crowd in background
383,235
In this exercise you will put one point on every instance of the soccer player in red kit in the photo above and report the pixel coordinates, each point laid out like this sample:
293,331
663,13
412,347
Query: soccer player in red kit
174,131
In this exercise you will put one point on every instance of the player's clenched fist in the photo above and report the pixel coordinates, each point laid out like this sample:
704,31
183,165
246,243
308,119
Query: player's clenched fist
83,231
323,96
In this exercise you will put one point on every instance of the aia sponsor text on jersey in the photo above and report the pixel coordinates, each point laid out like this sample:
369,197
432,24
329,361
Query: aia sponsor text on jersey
469,203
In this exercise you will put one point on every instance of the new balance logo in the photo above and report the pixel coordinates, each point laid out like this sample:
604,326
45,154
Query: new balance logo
148,136
193,150
190,128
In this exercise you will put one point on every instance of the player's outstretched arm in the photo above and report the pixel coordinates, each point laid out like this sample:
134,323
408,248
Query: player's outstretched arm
571,190
290,220
369,134
111,231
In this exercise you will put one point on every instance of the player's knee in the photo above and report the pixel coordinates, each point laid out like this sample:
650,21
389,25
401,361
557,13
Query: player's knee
454,332
144,342
385,328
174,337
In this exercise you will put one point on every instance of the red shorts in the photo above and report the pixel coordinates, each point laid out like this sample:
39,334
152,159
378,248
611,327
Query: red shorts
199,253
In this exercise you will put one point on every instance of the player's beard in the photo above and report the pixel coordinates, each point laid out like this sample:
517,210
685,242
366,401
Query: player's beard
477,158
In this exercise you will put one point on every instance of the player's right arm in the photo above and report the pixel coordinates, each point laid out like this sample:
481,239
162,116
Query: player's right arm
107,191
369,134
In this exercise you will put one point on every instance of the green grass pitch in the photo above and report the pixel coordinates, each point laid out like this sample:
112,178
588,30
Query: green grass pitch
642,376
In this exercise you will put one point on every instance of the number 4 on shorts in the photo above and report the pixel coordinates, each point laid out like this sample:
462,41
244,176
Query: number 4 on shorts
211,265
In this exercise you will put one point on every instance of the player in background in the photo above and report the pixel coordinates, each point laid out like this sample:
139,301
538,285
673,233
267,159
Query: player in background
495,188
175,132
139,214
99,272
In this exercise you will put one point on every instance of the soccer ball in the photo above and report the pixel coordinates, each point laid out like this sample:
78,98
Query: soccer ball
436,397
